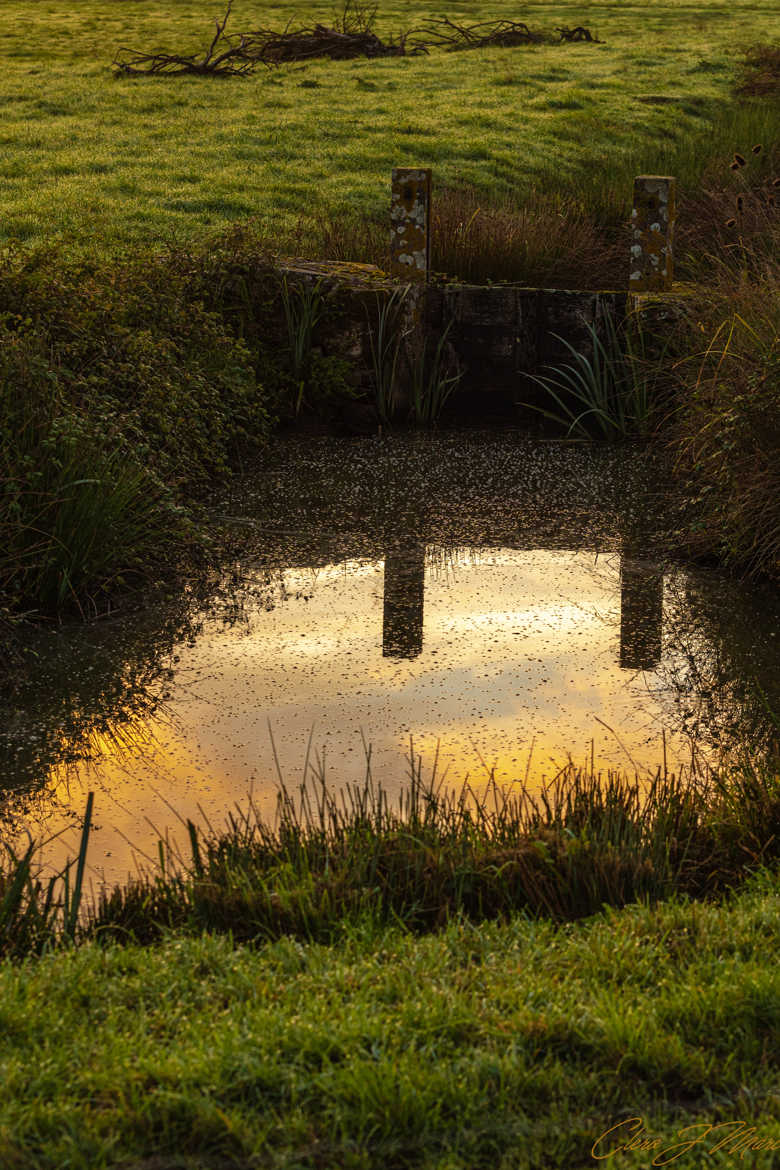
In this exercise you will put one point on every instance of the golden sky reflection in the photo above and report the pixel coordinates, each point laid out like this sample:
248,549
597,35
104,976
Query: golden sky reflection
519,649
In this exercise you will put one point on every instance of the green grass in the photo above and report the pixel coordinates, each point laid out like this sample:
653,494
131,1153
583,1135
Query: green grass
94,162
508,1045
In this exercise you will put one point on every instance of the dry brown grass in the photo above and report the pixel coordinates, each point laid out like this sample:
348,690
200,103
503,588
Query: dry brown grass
728,423
761,71
549,242
542,241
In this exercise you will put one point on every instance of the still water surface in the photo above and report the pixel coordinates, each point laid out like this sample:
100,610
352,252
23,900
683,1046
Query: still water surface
503,604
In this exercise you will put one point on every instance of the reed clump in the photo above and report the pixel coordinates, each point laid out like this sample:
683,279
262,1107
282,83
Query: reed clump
586,841
726,428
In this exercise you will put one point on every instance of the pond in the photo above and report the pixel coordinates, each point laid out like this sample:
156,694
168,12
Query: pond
488,605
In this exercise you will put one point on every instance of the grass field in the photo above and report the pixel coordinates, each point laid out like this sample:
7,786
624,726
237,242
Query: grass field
508,1046
94,162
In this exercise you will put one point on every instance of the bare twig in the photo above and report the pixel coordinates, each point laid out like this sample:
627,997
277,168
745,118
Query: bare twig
231,62
578,34
447,34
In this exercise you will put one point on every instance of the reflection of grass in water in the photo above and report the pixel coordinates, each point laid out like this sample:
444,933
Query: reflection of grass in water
718,681
41,781
127,737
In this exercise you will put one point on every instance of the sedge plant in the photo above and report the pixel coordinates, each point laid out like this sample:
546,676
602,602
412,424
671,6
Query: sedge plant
610,392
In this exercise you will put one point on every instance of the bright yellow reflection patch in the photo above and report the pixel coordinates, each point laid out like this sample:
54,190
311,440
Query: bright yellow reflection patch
508,661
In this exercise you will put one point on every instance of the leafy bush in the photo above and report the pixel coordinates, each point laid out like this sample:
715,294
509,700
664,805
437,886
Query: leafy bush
76,516
133,348
120,399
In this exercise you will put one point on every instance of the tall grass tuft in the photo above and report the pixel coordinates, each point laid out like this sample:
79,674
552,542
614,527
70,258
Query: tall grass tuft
586,841
327,859
726,428
37,914
549,241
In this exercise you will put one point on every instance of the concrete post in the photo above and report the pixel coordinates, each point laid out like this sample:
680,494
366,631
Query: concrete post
652,225
410,229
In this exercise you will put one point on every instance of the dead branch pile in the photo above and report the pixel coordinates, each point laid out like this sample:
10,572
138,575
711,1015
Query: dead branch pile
578,34
304,44
446,34
225,57
352,36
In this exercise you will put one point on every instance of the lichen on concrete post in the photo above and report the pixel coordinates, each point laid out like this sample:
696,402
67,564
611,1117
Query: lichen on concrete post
410,209
652,226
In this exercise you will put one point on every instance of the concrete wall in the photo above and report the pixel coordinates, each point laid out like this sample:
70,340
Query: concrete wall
501,332
496,334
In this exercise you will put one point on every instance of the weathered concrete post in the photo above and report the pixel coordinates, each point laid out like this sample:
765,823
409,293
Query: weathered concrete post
652,226
410,235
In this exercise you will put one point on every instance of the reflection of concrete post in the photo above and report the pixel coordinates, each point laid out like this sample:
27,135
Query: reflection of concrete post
641,613
652,226
402,630
410,228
